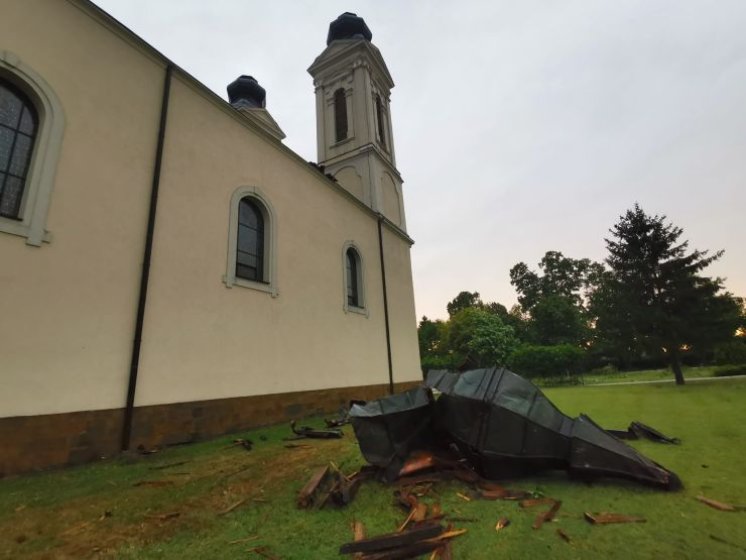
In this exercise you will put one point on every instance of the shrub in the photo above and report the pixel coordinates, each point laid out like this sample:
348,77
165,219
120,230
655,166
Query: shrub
547,361
732,352
730,370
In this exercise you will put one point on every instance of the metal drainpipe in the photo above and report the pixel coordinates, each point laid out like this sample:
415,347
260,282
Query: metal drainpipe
145,276
385,304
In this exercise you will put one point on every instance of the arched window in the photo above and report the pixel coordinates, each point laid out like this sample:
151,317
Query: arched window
340,114
251,242
381,121
353,279
18,124
353,287
32,123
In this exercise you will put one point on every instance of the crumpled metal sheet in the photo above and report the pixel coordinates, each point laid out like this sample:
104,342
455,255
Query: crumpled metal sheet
506,426
502,424
389,429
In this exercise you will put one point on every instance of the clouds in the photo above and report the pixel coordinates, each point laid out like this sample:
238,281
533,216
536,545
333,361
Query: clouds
520,127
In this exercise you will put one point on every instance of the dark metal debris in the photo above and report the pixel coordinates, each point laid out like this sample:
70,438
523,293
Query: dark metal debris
344,416
308,432
505,426
390,429
502,425
638,430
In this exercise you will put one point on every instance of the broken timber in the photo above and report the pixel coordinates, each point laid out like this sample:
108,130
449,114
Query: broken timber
604,518
427,537
329,484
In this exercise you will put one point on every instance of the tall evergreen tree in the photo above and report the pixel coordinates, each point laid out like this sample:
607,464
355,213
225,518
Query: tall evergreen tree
654,300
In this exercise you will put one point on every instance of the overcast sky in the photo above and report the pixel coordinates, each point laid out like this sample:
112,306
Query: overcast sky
520,127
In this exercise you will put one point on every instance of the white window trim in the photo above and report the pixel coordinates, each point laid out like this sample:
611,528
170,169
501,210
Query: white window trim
361,288
270,243
40,179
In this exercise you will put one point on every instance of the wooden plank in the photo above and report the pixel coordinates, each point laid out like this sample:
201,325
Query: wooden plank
391,540
305,496
605,518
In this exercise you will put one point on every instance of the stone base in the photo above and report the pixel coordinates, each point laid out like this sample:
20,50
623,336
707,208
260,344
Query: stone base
32,443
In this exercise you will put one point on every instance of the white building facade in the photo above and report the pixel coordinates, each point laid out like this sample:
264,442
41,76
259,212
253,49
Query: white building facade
171,271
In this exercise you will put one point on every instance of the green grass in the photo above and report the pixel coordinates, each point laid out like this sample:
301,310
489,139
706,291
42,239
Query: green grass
48,512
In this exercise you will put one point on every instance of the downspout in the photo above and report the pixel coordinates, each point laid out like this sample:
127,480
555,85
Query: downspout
145,275
385,304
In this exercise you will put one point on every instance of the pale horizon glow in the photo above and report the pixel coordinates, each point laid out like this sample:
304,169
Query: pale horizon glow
519,127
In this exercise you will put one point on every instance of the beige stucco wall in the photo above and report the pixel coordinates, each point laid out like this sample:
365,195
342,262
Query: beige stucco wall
402,316
68,307
204,340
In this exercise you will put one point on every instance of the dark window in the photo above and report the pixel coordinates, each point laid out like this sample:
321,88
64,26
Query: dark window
340,114
18,125
381,120
353,287
250,243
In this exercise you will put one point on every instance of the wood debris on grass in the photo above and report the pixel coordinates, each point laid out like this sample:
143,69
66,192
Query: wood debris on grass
723,541
247,444
564,536
502,523
247,539
76,528
328,485
416,541
167,465
154,483
264,552
721,506
605,518
546,516
164,516
358,534
233,506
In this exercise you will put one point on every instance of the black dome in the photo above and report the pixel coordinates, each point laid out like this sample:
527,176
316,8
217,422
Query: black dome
246,92
348,26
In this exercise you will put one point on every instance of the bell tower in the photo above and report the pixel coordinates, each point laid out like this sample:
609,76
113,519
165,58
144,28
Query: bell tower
353,120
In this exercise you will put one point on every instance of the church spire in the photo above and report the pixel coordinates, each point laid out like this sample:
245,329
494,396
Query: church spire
354,133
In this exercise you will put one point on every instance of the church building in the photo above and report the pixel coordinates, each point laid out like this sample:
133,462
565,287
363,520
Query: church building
171,271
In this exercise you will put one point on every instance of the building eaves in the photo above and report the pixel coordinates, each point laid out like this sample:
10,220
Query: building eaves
125,33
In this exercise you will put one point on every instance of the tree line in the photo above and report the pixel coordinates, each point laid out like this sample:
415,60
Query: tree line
648,304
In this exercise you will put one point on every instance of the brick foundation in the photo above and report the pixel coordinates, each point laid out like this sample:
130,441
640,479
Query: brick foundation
39,442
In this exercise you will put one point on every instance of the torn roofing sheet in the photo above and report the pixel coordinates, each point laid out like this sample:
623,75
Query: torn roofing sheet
389,429
502,424
505,426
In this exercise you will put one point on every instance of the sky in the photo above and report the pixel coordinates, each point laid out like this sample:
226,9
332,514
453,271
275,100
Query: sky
519,127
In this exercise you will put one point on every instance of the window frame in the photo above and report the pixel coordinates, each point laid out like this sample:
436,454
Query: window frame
362,307
381,122
340,109
269,265
40,176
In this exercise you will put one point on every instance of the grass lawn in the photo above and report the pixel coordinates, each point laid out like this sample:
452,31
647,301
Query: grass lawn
63,514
